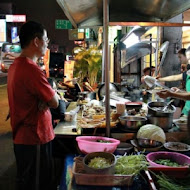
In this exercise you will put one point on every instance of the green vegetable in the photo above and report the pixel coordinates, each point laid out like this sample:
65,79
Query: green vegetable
99,163
166,183
167,162
103,141
132,164
152,132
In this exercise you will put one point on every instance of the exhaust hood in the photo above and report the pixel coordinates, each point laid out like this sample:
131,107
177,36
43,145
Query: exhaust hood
88,13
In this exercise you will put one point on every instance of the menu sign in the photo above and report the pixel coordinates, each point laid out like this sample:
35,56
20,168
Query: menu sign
15,18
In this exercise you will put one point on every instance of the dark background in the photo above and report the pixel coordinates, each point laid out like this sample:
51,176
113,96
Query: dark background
45,12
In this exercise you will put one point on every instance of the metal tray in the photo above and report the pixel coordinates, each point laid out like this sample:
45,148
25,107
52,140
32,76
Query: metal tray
177,146
83,178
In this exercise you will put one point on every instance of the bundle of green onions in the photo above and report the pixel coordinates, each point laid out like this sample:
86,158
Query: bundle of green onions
166,183
131,165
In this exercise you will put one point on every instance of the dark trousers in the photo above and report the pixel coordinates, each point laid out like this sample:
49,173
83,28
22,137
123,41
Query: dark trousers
26,156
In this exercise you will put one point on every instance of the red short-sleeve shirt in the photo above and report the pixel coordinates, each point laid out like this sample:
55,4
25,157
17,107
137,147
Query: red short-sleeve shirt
27,86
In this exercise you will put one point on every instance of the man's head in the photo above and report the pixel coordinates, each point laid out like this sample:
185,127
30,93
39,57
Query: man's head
146,70
33,34
182,56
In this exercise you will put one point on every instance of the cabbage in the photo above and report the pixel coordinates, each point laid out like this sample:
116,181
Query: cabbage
152,132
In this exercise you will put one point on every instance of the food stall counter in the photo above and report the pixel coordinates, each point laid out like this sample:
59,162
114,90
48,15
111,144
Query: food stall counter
66,128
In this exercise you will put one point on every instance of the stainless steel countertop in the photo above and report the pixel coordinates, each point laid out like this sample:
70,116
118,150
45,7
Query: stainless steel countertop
65,128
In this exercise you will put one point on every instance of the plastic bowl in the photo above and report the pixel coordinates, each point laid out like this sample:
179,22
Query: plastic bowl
182,124
108,170
177,157
88,144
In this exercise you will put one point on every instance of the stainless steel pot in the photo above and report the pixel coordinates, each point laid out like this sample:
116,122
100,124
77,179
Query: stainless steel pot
148,143
153,112
132,122
160,118
86,94
164,122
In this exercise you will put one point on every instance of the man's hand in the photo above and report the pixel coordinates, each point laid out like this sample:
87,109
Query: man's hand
164,94
42,106
59,95
175,89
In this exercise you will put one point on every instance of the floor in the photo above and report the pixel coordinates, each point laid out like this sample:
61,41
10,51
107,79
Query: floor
7,159
7,163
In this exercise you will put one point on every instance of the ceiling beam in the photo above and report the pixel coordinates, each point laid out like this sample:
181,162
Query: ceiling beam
166,24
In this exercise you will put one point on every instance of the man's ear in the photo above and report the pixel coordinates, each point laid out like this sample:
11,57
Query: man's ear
36,41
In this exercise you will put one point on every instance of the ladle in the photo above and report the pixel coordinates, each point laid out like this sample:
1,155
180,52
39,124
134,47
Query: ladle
168,104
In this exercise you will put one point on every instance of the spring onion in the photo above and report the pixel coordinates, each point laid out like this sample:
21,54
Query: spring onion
132,164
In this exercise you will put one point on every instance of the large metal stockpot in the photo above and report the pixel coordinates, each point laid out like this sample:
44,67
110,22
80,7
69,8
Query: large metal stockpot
160,118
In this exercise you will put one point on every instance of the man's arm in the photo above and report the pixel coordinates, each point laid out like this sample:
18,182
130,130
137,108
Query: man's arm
54,102
179,95
171,78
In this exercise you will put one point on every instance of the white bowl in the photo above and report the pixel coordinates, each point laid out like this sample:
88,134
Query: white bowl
182,124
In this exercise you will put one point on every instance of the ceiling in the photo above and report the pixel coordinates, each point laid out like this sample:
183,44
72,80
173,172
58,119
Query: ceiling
186,15
87,13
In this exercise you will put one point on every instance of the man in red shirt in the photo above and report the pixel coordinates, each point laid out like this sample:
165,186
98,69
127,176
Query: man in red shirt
30,97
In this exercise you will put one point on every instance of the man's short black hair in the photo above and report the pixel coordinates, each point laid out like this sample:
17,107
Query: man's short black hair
148,69
85,79
29,31
182,51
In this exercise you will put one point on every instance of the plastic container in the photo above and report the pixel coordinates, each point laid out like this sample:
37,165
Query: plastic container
88,144
83,178
176,157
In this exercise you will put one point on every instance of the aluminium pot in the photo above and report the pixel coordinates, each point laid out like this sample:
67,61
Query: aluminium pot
164,122
156,113
132,122
159,118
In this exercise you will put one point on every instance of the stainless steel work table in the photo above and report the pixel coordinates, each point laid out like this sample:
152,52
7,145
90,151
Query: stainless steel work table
67,128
